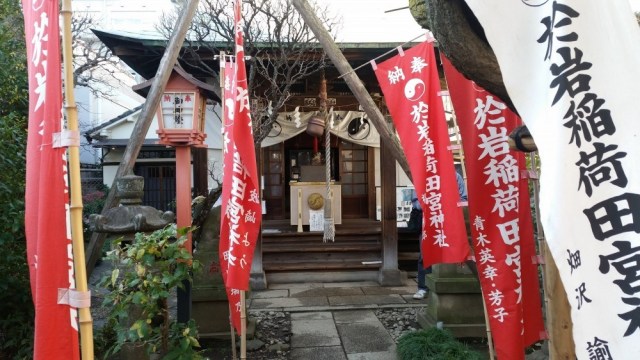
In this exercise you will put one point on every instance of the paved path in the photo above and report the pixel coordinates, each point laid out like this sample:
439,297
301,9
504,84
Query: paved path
336,321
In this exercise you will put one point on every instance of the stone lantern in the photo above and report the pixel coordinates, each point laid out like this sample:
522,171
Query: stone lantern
132,216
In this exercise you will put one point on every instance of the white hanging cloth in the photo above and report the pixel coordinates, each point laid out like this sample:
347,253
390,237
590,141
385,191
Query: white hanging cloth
352,126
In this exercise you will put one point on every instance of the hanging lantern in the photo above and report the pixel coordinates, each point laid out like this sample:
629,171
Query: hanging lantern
181,113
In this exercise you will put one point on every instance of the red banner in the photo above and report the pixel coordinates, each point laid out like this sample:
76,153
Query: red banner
241,207
49,249
500,213
411,87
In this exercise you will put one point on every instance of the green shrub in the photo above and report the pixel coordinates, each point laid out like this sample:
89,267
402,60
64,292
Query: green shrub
92,203
433,344
16,312
144,275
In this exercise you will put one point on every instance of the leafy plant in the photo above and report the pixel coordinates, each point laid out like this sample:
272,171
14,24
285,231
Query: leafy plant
92,203
16,312
145,273
433,344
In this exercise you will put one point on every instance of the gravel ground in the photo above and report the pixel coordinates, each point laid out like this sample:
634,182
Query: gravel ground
273,333
398,321
271,340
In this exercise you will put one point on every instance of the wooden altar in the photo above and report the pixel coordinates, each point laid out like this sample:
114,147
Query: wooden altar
305,189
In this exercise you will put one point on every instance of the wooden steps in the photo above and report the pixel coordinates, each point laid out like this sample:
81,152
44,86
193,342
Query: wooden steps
294,247
325,266
356,248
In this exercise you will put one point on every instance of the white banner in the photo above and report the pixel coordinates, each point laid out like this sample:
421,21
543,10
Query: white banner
572,69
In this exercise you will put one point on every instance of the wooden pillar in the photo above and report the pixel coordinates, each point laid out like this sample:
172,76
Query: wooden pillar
257,277
200,172
183,215
559,324
389,274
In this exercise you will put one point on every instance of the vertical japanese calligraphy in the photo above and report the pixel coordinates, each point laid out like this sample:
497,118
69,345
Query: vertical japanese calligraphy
500,213
241,208
411,87
49,249
578,96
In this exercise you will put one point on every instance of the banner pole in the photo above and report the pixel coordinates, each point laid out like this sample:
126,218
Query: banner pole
243,326
233,337
558,322
222,120
464,177
486,319
539,231
86,322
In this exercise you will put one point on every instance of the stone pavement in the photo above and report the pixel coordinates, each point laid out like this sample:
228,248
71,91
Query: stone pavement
336,321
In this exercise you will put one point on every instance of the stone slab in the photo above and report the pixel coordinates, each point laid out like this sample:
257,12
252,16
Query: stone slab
391,277
331,291
318,315
351,284
410,300
314,333
287,302
335,308
295,286
354,316
381,290
453,285
269,294
384,355
318,353
365,337
366,299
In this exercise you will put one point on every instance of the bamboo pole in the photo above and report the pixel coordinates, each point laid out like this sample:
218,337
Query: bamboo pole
233,336
558,310
243,326
143,123
486,319
222,120
86,322
355,84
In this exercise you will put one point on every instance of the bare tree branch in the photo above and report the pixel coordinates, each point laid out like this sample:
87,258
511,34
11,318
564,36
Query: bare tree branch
95,66
282,48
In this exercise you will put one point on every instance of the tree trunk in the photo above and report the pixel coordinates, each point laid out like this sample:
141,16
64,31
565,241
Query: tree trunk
461,38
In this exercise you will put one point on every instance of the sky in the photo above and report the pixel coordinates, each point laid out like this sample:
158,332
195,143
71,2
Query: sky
366,20
362,20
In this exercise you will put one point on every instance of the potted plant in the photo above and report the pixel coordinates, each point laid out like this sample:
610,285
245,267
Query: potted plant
145,272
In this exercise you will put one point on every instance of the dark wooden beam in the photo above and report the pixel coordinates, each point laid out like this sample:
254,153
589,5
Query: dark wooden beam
390,275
